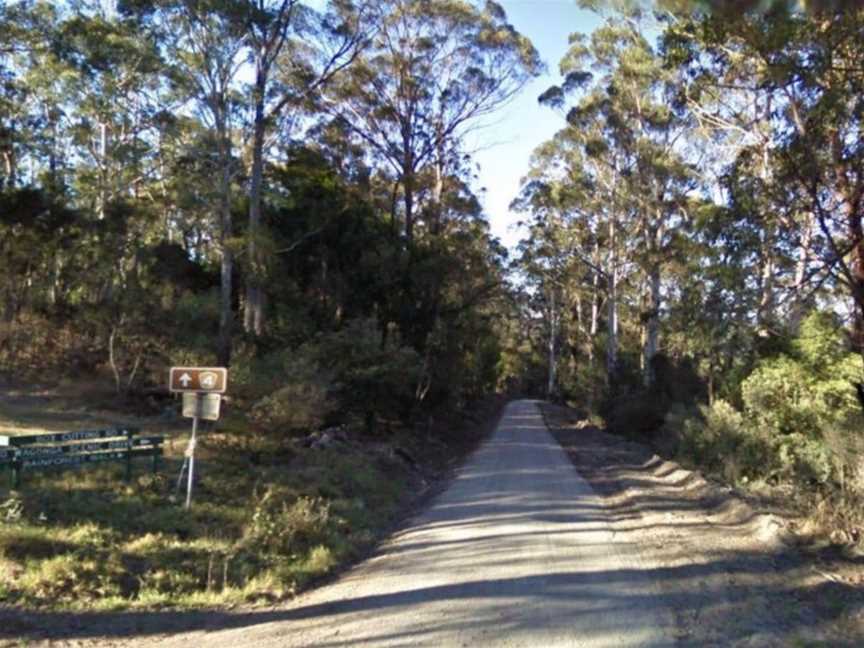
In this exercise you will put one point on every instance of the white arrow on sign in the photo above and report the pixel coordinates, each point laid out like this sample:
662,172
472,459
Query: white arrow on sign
185,379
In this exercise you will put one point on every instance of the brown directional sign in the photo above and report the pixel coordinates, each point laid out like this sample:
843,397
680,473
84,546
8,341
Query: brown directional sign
205,380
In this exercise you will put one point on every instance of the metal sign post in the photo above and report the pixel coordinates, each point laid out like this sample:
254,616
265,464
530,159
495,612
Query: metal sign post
201,388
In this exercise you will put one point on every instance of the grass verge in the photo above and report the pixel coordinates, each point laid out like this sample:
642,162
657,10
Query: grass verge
270,517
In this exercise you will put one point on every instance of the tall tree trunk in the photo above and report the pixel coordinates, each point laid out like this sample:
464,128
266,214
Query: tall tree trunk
52,150
853,209
394,208
799,301
553,355
253,315
652,326
595,304
408,202
226,314
767,265
612,306
767,259
103,169
652,313
435,227
856,234
10,162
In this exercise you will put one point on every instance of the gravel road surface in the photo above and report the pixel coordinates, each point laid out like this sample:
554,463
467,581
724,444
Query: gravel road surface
518,551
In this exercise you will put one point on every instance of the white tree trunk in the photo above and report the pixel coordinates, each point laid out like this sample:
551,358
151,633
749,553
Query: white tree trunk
595,305
553,355
802,264
612,305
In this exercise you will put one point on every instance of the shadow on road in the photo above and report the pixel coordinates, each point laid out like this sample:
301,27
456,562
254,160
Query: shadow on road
545,537
688,596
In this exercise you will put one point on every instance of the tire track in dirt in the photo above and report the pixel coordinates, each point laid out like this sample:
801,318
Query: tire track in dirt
726,566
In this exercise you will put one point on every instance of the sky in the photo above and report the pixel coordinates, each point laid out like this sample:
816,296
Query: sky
504,146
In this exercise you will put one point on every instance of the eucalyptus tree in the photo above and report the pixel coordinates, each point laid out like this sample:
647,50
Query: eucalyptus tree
33,121
112,87
77,119
203,44
295,53
737,102
544,267
806,64
432,70
631,134
562,252
15,39
822,150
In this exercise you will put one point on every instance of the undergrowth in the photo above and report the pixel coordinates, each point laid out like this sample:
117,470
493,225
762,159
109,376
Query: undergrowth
85,539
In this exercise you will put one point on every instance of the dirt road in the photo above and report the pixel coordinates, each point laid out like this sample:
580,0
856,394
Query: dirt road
598,543
517,552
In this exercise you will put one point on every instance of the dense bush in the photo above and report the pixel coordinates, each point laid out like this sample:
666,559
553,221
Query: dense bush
636,416
718,439
801,417
281,524
301,402
779,395
351,372
372,376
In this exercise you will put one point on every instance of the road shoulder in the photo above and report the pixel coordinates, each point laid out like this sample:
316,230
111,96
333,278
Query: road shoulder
726,564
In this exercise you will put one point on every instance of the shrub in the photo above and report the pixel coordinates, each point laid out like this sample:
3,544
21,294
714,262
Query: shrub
302,402
807,403
719,439
284,529
778,396
803,459
369,377
637,416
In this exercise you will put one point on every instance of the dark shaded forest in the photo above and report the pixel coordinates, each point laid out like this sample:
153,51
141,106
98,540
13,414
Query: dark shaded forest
255,184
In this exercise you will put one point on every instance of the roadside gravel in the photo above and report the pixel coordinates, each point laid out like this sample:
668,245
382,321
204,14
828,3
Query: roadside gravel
730,566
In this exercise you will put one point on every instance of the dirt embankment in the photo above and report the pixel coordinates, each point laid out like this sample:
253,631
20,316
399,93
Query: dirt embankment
740,574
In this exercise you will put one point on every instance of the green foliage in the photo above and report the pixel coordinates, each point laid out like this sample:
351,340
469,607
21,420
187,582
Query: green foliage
803,459
820,343
800,420
719,439
282,528
779,396
811,391
369,375
303,401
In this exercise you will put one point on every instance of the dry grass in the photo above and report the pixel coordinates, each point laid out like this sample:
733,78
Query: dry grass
71,405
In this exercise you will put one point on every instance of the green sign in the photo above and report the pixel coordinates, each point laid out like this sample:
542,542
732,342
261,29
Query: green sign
64,437
57,450
66,449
